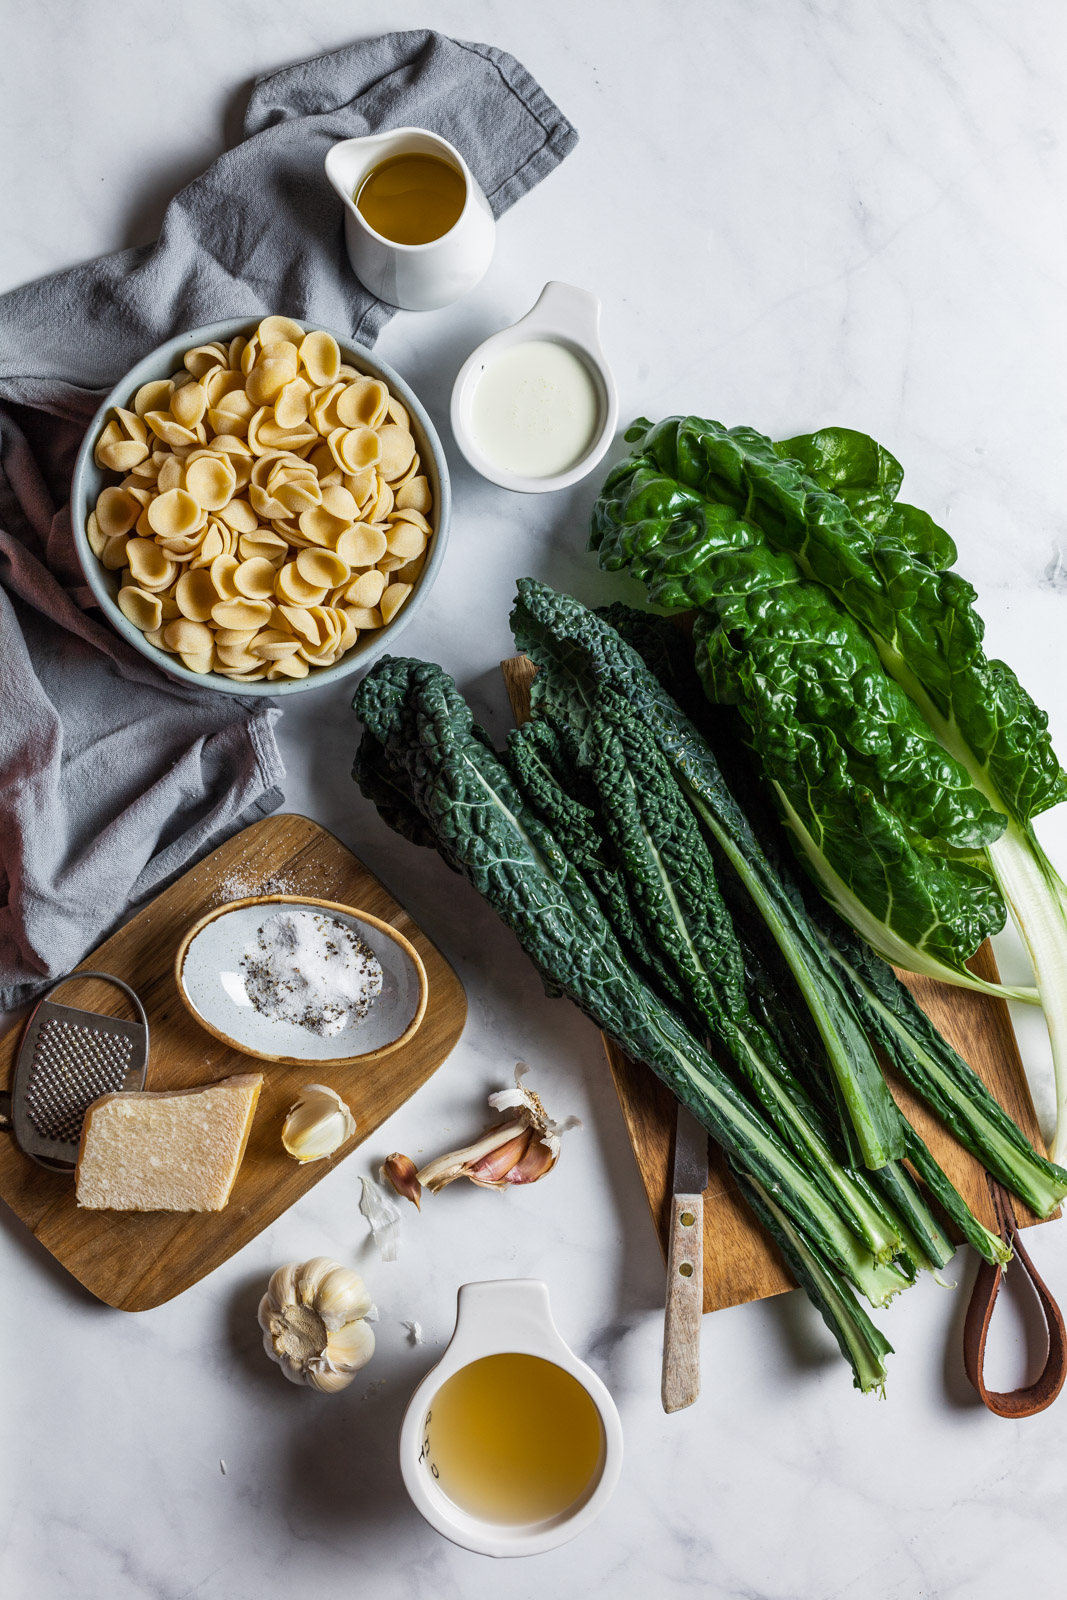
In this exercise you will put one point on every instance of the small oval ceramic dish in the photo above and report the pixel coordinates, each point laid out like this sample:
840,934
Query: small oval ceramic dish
208,972
89,480
563,326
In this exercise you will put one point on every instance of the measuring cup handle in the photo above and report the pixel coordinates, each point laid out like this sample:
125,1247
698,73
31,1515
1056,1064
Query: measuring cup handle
507,1314
563,308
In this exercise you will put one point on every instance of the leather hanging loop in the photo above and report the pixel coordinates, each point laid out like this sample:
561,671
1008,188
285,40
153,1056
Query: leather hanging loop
1037,1396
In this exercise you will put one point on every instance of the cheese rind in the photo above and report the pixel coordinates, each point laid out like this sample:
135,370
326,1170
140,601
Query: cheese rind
166,1151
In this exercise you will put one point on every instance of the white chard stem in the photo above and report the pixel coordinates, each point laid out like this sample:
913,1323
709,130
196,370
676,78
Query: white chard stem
1037,899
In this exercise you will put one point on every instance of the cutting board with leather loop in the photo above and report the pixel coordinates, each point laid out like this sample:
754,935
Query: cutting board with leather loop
741,1261
136,1260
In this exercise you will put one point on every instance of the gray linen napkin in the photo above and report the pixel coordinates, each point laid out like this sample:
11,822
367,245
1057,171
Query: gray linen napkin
113,778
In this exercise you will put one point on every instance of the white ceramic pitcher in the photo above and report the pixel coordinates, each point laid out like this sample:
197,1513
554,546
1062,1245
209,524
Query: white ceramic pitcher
415,277
508,1314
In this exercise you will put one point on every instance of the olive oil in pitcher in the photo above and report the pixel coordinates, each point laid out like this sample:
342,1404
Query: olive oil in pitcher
412,198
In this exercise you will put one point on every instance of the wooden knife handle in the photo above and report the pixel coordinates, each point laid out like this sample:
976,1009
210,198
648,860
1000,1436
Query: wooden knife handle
685,1302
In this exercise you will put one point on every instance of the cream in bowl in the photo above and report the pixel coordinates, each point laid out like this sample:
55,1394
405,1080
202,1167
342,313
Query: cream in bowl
534,408
301,980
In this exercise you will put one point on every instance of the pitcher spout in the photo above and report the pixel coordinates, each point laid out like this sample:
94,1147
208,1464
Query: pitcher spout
348,163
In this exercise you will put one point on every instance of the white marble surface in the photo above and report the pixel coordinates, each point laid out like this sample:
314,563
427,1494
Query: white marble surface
795,213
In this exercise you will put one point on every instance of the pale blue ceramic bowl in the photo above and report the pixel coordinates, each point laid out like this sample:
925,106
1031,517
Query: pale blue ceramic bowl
89,480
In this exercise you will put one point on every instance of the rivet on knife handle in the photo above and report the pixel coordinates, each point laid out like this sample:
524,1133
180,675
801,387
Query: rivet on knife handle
685,1302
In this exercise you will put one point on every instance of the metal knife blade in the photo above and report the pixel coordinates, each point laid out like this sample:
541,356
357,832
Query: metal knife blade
690,1154
685,1265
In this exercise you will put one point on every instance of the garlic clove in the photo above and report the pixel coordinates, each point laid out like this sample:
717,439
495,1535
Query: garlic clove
521,1149
280,1290
458,1163
327,1380
318,1124
350,1347
493,1170
341,1298
400,1171
308,1276
538,1159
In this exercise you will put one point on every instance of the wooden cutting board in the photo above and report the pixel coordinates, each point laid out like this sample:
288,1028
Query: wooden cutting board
741,1262
135,1260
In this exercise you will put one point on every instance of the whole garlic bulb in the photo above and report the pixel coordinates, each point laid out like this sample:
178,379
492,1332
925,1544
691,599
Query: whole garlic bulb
312,1320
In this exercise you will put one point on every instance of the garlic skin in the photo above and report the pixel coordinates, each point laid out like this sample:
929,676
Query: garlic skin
383,1216
318,1125
521,1149
312,1317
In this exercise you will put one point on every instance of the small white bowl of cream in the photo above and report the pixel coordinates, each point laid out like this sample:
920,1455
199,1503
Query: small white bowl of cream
534,408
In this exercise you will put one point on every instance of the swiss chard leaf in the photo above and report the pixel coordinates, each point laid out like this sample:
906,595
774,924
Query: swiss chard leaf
891,825
867,478
921,618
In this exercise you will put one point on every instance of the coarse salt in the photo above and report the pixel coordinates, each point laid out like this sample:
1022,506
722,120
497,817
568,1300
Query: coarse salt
307,968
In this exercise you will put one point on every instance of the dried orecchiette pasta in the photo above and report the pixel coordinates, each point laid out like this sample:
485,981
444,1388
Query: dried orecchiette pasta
271,505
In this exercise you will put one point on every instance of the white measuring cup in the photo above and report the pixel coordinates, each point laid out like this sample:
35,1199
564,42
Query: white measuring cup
562,314
505,1316
415,277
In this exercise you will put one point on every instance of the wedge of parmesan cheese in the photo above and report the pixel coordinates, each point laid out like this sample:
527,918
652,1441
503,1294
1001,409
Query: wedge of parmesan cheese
177,1150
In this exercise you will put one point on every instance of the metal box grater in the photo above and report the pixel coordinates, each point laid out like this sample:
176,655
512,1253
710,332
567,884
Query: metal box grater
67,1059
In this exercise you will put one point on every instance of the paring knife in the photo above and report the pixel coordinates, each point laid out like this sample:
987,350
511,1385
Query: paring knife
685,1265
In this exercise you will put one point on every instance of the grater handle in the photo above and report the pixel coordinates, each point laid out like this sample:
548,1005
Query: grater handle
108,977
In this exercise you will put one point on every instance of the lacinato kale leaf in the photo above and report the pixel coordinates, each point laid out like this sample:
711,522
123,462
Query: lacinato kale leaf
420,725
582,660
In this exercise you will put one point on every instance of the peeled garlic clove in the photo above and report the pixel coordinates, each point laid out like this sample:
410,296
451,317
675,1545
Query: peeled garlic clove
318,1124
